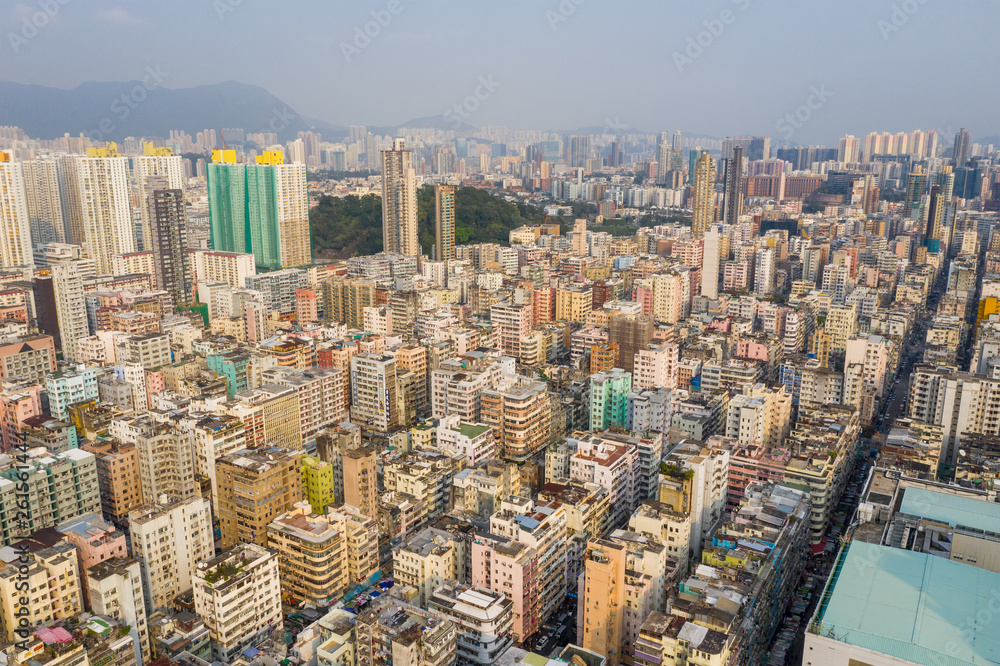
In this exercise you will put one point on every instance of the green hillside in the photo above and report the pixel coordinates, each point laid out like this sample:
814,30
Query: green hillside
349,226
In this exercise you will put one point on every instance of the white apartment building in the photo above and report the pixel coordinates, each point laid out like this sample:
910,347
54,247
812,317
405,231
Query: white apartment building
106,210
473,440
71,310
656,366
114,588
238,595
169,540
484,619
611,465
233,268
41,185
959,402
214,437
15,225
457,385
874,352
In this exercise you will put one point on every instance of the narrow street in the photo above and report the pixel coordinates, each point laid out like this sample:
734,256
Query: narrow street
817,570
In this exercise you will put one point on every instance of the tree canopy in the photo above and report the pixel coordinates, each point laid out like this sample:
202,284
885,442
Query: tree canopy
349,226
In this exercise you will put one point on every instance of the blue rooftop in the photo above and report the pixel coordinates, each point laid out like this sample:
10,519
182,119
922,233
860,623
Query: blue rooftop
952,510
914,606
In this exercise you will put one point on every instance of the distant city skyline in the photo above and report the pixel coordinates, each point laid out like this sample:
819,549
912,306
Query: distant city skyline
800,73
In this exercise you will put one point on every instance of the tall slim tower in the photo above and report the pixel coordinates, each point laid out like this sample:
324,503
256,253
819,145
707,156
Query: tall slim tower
849,149
168,236
41,185
15,226
710,262
935,219
69,195
678,141
579,150
703,195
399,201
71,310
155,162
961,147
916,185
733,202
102,178
444,222
663,154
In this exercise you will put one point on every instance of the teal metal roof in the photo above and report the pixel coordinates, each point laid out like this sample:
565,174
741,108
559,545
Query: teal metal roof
952,509
915,606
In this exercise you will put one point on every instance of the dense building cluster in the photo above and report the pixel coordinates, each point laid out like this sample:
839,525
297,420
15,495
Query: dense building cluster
629,434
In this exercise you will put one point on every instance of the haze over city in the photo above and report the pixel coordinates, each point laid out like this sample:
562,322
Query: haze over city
499,333
560,65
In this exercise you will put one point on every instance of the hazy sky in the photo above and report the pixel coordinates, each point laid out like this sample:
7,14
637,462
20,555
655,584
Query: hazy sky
862,64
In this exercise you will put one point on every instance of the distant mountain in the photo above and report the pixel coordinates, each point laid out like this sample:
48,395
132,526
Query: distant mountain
328,130
115,110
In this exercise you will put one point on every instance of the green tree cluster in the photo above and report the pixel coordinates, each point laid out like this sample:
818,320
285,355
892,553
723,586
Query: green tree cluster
349,226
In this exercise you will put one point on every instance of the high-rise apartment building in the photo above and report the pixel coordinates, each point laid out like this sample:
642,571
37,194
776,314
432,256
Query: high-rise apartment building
152,163
169,540
519,411
114,588
374,392
609,398
232,268
117,478
15,224
238,594
255,487
69,193
961,149
732,205
849,149
41,185
259,208
360,480
102,178
444,222
703,195
317,553
166,457
390,633
935,230
579,151
44,589
399,201
484,619
167,221
916,185
711,261
59,487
